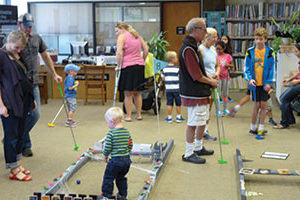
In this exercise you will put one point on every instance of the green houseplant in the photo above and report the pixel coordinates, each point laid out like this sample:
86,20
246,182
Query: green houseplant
288,30
158,46
296,34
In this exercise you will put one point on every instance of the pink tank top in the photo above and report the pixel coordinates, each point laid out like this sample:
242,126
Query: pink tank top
132,53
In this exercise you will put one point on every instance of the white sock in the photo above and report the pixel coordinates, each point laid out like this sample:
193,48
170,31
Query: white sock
198,145
237,107
188,149
253,127
206,128
260,127
169,116
178,116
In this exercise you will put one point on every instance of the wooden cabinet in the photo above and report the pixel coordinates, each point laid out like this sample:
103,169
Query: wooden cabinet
110,81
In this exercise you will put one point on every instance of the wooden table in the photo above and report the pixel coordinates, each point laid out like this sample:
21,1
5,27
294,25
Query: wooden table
109,72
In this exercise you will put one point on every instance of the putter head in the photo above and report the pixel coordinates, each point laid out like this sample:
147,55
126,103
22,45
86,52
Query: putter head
51,125
225,142
221,161
259,137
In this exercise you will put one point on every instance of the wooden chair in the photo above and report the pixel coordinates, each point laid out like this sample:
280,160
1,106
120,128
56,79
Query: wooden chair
95,84
43,85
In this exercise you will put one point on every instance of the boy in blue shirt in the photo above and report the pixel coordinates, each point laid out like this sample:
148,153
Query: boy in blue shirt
118,144
259,69
171,77
71,91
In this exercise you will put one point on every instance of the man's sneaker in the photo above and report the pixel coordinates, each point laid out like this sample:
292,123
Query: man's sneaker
226,112
27,153
219,113
229,99
207,136
179,119
204,152
169,120
194,159
272,122
232,112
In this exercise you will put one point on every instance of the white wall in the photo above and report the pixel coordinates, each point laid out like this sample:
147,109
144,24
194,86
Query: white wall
22,6
287,62
63,19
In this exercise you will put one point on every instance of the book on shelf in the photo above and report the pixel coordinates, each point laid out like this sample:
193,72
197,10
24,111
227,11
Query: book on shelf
238,83
238,64
240,46
242,29
262,10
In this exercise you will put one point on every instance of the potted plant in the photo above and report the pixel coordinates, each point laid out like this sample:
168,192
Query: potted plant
284,32
158,46
296,34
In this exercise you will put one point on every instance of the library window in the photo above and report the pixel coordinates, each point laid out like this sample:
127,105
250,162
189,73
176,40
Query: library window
64,25
144,17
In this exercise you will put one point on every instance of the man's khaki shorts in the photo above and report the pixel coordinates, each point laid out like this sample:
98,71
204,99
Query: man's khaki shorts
198,115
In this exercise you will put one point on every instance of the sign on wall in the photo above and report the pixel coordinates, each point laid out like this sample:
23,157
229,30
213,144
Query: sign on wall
8,15
216,19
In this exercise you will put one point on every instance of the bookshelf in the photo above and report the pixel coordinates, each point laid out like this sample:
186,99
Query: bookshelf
243,17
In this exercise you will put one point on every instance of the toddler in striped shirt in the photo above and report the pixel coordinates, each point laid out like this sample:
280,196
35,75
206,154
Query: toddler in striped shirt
118,144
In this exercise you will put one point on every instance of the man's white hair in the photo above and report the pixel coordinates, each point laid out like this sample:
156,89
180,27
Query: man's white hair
194,22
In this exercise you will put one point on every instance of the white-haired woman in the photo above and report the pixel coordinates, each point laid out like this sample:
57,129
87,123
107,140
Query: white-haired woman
132,63
16,100
212,68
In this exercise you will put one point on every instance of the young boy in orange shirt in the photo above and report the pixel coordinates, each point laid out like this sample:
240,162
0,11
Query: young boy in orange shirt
259,70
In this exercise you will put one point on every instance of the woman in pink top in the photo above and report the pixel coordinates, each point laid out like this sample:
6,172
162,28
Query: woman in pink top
132,63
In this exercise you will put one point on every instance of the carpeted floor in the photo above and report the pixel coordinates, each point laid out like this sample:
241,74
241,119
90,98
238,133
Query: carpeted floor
53,153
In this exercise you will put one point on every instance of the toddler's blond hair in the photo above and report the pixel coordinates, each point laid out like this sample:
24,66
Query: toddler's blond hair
170,55
114,114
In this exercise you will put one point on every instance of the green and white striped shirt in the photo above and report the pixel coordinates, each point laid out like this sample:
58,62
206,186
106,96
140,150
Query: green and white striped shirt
118,142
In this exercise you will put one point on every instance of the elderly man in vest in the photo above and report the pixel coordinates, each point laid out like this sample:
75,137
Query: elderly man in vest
195,90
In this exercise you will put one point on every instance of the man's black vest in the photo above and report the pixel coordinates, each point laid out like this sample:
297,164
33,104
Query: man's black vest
187,86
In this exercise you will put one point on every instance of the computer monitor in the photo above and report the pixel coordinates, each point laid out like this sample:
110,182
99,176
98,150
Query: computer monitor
79,49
